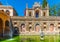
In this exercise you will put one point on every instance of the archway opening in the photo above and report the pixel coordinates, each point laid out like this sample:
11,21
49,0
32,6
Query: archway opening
7,29
16,31
8,12
22,27
51,27
37,27
1,27
37,14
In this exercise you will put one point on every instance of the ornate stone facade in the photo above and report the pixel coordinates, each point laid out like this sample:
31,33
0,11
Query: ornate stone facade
36,19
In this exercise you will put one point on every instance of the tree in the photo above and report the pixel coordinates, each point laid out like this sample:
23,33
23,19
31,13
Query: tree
58,9
53,10
44,3
58,13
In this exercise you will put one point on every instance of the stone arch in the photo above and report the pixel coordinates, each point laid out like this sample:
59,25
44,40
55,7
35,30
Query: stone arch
1,26
7,29
16,31
7,23
51,27
8,12
37,13
37,27
22,27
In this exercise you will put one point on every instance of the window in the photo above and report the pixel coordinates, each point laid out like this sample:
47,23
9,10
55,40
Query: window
7,28
29,13
37,14
44,27
44,14
8,12
51,27
59,23
37,27
15,23
16,31
30,28
22,27
58,27
44,23
7,23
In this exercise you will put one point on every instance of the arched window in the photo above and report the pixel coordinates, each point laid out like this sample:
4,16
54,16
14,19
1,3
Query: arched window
37,27
51,27
7,23
16,31
8,12
22,27
7,28
37,14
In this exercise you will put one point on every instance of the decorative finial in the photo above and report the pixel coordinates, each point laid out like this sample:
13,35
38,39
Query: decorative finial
26,5
47,5
39,2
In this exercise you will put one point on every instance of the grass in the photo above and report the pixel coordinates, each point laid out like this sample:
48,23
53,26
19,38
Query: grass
37,39
34,38
15,39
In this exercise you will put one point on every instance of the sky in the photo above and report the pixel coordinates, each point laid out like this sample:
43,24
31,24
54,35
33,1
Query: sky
20,5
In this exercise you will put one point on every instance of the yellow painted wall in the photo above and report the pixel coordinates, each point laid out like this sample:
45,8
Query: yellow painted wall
4,18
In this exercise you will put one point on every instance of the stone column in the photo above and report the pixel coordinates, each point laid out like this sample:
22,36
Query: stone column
19,26
27,26
33,26
56,25
48,25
